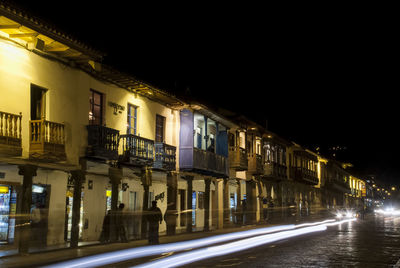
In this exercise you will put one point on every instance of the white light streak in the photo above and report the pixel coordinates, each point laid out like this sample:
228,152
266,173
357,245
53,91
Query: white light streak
229,248
258,237
127,254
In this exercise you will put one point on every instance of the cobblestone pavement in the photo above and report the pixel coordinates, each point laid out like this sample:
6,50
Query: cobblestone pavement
372,242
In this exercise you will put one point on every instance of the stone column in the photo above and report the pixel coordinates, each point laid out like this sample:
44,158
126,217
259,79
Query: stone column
251,201
146,177
78,177
172,193
207,182
115,175
239,218
226,201
27,171
189,221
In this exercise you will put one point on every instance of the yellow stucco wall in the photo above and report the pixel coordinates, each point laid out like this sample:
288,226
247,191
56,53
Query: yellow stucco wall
67,99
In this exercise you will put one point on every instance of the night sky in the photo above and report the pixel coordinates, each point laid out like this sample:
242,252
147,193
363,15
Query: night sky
320,80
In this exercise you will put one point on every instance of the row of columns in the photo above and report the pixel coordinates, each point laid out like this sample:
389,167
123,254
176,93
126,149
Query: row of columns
77,177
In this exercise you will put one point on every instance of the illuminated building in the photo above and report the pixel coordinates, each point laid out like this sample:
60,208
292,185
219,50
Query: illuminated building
80,137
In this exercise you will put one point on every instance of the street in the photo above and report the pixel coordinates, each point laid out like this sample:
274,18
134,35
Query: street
373,242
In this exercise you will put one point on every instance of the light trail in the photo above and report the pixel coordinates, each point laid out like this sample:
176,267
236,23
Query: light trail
133,253
229,248
127,254
241,245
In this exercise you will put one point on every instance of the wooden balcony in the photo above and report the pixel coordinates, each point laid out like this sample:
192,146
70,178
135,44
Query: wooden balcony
47,140
102,142
304,175
137,151
255,164
237,158
210,163
274,171
10,134
203,162
165,156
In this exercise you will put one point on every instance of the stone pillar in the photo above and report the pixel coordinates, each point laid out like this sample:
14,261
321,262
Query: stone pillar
226,202
78,177
172,193
27,171
115,175
239,218
189,221
207,182
146,177
251,200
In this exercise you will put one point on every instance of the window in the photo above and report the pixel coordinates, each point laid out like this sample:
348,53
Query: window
160,122
38,102
242,140
132,119
96,108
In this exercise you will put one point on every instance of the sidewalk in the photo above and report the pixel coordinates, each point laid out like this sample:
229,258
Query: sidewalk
57,255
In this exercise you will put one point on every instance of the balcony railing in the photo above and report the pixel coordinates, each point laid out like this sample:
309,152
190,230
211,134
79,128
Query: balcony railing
10,134
165,156
210,163
304,175
137,150
275,170
255,164
47,140
102,142
238,158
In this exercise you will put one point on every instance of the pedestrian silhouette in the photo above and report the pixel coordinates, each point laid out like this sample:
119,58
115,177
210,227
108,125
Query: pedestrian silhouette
154,218
105,232
120,224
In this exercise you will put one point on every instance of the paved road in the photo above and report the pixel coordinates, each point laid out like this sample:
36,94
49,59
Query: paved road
372,242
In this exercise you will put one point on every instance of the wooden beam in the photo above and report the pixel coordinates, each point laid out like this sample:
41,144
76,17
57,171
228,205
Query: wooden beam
23,35
56,49
10,26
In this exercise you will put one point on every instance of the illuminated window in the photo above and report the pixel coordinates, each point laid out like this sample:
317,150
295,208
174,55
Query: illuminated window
242,140
96,108
258,146
132,119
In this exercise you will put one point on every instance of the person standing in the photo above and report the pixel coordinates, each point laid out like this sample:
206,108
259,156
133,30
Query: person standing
120,224
154,218
105,233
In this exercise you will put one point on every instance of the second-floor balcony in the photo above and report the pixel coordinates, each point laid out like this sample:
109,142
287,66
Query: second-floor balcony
304,175
204,162
237,158
136,150
47,140
275,171
10,134
102,142
255,166
165,156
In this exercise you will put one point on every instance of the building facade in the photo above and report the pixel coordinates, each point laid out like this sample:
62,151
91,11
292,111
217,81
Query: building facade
78,138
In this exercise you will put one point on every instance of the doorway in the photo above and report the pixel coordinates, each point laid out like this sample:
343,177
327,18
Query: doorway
38,102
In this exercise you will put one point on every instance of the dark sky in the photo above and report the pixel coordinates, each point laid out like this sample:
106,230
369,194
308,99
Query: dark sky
319,80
